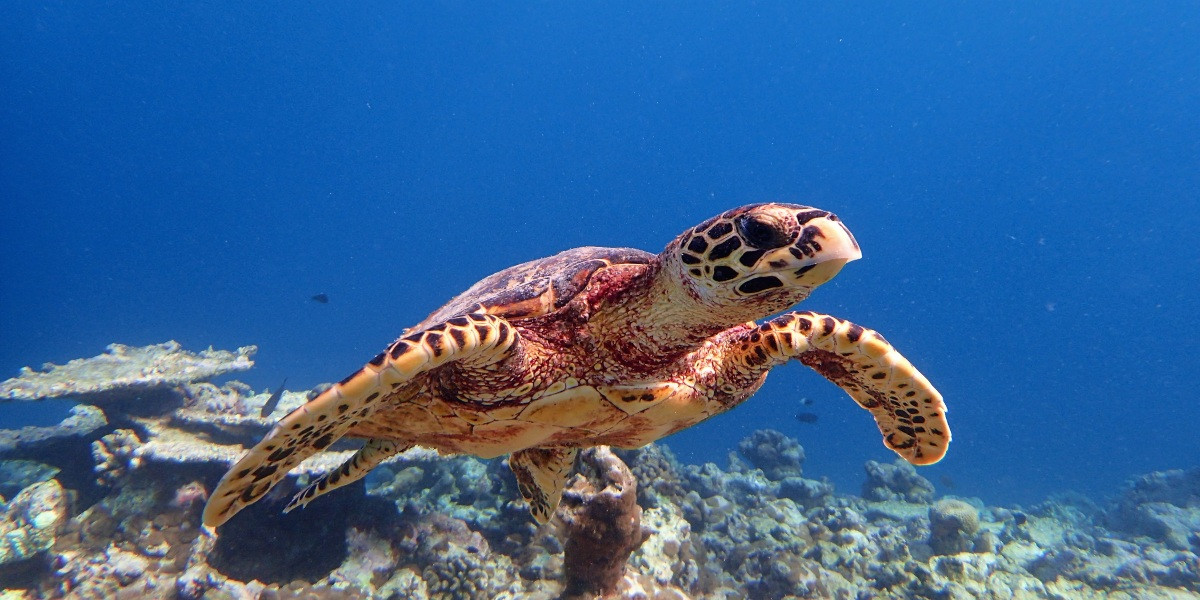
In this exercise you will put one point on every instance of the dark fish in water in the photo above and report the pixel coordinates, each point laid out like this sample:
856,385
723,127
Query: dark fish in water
948,481
322,298
806,401
273,401
807,417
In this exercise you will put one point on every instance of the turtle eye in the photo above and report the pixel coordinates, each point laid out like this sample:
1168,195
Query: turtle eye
761,233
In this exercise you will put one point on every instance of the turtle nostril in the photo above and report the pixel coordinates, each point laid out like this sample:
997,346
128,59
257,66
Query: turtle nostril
762,233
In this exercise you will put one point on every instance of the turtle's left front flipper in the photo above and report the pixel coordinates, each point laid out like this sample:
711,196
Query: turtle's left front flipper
909,411
473,339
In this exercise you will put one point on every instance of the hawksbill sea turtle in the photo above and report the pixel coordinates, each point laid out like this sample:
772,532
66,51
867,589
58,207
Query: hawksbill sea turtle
603,346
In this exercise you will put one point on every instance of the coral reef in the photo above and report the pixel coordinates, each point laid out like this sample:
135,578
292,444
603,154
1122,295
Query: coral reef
777,455
30,522
897,481
601,523
83,420
424,526
123,367
952,526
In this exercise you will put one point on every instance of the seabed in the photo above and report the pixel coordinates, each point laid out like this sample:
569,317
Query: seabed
107,505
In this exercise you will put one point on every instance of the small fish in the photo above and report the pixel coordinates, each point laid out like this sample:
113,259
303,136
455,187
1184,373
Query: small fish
807,417
273,401
321,298
806,401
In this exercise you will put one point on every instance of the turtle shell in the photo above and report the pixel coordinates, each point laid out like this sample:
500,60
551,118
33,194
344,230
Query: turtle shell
536,287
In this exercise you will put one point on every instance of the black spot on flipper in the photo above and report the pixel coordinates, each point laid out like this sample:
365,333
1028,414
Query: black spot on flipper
690,259
323,441
265,471
854,333
698,245
460,338
459,321
827,324
349,377
378,360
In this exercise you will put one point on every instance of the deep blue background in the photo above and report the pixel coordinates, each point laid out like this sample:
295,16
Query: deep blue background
1023,178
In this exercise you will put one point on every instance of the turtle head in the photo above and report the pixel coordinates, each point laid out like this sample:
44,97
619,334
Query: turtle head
762,257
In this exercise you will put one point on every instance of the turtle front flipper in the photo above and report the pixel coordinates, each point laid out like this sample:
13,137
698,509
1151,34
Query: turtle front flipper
910,413
356,467
474,339
541,474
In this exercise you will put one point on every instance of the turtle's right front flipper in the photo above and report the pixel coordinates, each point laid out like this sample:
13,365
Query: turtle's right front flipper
907,408
475,339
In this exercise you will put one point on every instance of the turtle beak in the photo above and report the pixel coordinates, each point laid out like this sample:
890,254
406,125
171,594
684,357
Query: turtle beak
824,246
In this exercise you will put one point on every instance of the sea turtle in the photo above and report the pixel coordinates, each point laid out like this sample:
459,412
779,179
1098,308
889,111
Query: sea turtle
603,346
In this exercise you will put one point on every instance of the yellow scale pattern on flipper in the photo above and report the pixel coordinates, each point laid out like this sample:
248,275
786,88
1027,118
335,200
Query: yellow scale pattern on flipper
322,421
910,413
541,474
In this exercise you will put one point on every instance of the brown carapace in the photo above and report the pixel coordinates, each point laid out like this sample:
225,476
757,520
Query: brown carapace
603,346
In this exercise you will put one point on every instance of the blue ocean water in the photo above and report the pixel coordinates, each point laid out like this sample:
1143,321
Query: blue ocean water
1023,177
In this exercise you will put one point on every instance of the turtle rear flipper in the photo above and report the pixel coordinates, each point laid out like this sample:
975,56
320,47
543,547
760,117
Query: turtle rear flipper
356,467
476,339
910,413
541,474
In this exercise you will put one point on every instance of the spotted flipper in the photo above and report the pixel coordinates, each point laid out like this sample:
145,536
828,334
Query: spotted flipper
908,410
475,339
356,467
541,474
